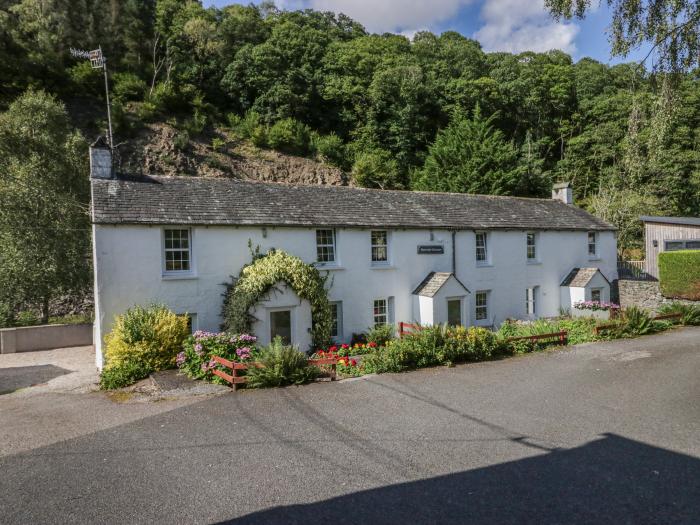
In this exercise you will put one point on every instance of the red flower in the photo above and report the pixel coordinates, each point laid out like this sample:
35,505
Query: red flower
353,362
372,344
333,349
344,346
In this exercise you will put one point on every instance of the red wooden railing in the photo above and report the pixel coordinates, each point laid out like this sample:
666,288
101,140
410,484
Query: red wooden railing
562,337
608,326
408,328
236,381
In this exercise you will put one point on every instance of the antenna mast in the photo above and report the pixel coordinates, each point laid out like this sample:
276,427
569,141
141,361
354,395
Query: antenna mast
99,61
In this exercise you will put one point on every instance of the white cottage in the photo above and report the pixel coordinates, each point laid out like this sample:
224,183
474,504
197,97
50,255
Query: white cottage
392,255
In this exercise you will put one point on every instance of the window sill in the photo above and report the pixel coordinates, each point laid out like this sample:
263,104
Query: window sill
593,258
179,276
382,267
484,265
534,263
329,267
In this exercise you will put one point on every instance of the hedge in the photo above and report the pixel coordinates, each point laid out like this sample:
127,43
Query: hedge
679,274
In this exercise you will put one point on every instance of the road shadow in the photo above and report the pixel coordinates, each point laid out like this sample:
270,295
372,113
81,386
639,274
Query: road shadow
14,378
610,480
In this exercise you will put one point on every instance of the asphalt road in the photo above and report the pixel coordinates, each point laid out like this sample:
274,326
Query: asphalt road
606,433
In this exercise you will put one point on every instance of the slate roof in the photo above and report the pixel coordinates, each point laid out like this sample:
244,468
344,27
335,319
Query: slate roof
224,201
685,221
580,277
433,282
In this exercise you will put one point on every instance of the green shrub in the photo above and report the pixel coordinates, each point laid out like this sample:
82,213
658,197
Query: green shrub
85,79
329,148
679,274
290,136
637,322
123,374
690,314
469,344
181,140
381,334
128,86
150,337
420,349
282,365
217,143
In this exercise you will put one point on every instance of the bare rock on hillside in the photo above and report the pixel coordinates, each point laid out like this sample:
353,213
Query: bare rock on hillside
160,149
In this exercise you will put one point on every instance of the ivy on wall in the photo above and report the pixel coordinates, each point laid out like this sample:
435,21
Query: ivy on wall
260,276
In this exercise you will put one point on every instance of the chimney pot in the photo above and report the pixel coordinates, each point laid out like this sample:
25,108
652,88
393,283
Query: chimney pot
563,192
101,160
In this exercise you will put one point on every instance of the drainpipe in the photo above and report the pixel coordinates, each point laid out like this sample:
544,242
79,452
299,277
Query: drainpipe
454,253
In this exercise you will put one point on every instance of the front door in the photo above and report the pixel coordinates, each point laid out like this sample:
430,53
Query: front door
454,312
281,325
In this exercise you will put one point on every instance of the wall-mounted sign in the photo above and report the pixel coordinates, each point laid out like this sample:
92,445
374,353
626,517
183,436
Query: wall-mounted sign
431,249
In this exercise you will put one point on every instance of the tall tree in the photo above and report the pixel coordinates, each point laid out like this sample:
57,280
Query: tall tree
471,156
671,27
44,195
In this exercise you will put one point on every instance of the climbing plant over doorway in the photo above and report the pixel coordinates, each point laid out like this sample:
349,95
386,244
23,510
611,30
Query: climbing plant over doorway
260,276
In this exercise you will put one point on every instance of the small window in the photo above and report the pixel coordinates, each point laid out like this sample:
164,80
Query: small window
337,320
531,300
454,312
325,246
178,251
531,246
191,323
481,247
592,244
380,247
381,312
596,294
672,246
281,325
482,306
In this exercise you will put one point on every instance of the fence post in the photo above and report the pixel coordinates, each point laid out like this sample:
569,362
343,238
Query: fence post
233,373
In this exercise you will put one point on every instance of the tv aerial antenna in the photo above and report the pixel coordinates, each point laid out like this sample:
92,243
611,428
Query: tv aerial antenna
98,61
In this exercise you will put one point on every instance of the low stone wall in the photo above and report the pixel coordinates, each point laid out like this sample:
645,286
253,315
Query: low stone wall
644,294
46,337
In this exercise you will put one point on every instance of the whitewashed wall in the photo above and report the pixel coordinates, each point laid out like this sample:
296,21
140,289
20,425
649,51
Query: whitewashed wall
129,270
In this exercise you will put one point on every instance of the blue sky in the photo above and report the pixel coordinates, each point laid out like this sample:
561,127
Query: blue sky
500,25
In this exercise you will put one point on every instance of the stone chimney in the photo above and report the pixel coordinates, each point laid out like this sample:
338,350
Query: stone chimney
562,191
101,160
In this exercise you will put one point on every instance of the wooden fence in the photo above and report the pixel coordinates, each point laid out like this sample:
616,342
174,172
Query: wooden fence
236,380
408,328
560,337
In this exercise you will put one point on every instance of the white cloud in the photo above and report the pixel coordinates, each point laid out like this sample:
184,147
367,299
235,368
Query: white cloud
406,16
523,25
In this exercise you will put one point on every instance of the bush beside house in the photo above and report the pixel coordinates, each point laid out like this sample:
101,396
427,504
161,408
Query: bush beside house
143,340
679,274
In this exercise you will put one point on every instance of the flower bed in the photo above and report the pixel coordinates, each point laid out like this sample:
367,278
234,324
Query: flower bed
196,359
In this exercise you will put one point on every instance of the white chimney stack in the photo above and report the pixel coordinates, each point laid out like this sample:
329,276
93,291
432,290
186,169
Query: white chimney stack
101,160
562,191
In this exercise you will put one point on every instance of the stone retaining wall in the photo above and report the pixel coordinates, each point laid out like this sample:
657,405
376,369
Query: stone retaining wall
46,337
645,294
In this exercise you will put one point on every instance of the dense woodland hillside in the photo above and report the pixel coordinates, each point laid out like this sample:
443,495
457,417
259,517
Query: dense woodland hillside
247,90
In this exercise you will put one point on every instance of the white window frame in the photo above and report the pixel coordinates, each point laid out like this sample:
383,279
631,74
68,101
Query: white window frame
386,246
292,319
164,250
388,313
337,320
533,246
484,307
531,300
594,244
333,245
485,248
